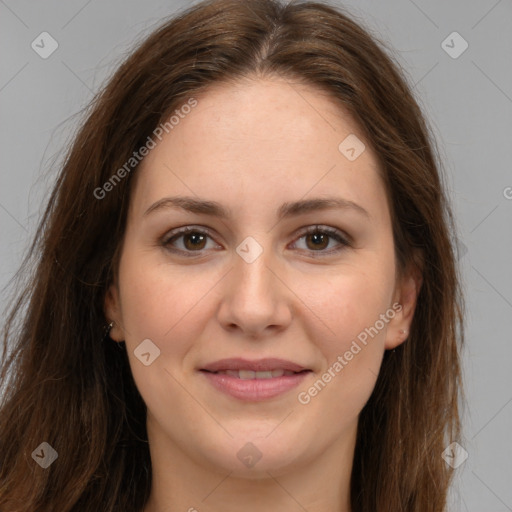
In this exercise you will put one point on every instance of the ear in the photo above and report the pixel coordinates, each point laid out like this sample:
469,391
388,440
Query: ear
112,309
407,288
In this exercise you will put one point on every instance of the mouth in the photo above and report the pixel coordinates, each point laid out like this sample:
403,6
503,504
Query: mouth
251,375
262,366
254,381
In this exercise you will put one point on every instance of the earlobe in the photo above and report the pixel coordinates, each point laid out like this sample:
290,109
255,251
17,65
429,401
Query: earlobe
395,337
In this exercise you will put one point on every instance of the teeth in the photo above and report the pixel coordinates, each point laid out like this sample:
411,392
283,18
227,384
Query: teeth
249,374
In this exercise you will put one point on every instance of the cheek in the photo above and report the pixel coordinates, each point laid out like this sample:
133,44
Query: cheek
157,298
344,305
171,306
349,334
166,306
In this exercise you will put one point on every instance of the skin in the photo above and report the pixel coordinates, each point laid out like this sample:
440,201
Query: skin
253,146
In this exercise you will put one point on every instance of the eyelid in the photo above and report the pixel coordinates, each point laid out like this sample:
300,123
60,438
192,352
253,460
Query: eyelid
188,229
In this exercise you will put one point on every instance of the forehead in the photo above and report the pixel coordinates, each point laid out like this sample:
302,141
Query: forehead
260,138
268,117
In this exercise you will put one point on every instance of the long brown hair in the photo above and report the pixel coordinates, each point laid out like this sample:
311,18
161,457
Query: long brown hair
66,384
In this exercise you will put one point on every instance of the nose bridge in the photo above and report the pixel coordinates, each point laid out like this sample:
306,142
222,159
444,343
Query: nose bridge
252,275
255,275
254,298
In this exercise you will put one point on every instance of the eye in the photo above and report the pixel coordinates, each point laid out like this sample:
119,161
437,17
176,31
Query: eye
193,239
317,239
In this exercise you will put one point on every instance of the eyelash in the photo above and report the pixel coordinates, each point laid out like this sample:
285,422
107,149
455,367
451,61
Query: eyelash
325,230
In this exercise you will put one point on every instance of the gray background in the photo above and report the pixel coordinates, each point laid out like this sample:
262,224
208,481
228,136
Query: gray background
467,99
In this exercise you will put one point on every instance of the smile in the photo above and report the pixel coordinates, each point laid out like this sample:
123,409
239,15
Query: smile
250,374
254,389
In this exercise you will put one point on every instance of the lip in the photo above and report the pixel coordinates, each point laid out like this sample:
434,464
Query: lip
254,390
259,365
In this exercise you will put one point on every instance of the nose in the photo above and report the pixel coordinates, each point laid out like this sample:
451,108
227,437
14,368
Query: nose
255,298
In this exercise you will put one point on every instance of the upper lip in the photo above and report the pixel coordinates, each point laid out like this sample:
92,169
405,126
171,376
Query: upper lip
259,365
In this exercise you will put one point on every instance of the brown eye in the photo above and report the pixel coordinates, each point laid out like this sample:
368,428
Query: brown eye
318,238
187,240
318,241
194,241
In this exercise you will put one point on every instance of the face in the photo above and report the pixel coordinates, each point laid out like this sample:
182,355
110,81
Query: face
267,324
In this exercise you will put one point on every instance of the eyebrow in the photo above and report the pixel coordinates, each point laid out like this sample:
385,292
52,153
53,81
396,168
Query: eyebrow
286,210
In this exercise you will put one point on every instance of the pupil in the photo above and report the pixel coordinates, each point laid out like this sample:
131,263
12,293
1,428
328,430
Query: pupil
318,238
195,238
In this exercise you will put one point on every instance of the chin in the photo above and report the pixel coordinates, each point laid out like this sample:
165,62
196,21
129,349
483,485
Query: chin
255,456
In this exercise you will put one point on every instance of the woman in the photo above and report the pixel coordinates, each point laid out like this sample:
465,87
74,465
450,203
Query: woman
244,290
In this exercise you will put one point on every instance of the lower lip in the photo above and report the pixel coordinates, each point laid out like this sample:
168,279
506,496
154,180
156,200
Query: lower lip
254,390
